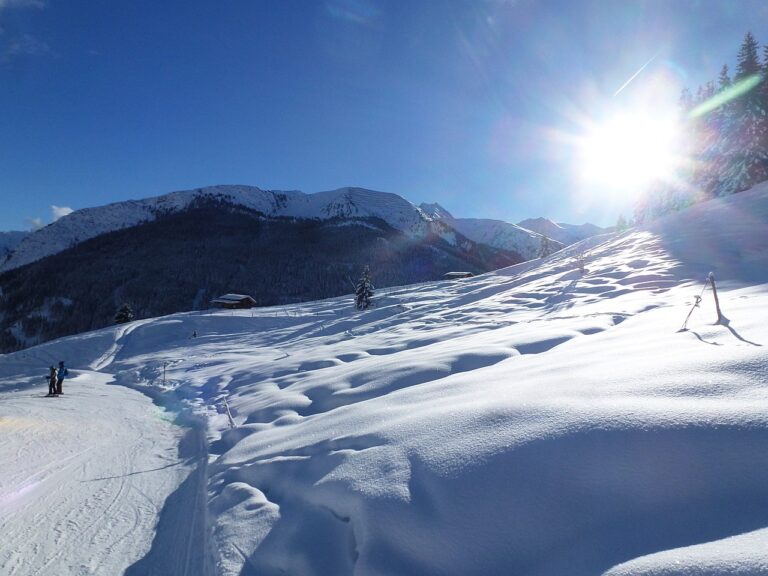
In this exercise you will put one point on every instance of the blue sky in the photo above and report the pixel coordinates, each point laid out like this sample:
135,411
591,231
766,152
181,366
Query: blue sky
458,102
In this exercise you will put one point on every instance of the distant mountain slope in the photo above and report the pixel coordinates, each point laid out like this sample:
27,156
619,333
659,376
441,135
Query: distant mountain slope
496,233
564,233
9,241
88,223
397,212
180,260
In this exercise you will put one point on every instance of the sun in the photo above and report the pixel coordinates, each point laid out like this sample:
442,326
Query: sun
629,150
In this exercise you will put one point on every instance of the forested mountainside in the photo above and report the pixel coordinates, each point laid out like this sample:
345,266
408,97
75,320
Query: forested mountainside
87,223
182,260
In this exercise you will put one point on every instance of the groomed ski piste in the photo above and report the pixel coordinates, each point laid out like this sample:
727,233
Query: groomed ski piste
542,419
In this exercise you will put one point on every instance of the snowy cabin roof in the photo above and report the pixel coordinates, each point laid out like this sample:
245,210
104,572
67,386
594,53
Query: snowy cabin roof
234,301
454,275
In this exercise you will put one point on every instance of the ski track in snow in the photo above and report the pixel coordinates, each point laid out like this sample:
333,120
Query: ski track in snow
85,476
538,420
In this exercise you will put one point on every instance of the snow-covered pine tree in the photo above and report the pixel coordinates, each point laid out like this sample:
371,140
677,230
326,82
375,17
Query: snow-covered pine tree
686,100
545,247
747,62
364,290
124,314
724,79
726,137
747,155
763,89
723,124
711,141
660,198
699,95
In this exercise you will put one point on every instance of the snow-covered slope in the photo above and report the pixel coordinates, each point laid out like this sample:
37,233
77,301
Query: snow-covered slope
496,233
500,234
88,223
564,233
435,211
538,420
9,241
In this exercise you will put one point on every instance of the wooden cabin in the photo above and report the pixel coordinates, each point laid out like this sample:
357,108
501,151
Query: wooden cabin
234,301
457,275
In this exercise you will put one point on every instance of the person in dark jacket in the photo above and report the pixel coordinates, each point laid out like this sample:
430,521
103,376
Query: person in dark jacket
62,372
52,380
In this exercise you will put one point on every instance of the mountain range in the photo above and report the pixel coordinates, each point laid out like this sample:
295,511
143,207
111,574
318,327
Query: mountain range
176,252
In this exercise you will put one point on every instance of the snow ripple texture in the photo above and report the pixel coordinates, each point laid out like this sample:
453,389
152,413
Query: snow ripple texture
546,419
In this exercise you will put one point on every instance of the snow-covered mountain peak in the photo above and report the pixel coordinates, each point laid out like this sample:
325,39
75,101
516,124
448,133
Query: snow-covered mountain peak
525,238
435,211
87,223
560,231
360,203
496,233
348,202
540,221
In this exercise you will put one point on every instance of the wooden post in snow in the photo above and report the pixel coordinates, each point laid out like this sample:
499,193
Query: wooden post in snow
229,414
711,278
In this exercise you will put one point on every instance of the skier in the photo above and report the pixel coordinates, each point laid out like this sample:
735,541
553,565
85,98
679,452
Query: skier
52,379
60,380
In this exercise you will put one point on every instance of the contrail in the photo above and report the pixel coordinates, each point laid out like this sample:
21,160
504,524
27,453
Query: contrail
643,67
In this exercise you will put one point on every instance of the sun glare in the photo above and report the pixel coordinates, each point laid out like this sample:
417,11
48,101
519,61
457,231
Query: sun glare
629,150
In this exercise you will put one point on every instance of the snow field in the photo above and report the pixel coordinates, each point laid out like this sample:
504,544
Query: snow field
84,475
538,420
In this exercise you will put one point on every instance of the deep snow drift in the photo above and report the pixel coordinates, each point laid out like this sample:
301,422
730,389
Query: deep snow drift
546,419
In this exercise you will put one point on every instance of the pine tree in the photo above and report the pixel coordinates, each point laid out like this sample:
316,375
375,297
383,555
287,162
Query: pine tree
709,90
723,115
364,290
763,89
765,62
747,61
728,145
545,247
747,152
715,154
748,65
699,95
724,80
124,314
686,101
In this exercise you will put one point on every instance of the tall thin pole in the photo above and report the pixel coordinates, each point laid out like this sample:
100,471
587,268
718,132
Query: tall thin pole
711,278
229,414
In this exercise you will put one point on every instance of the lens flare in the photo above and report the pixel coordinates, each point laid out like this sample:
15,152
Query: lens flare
19,492
741,87
629,150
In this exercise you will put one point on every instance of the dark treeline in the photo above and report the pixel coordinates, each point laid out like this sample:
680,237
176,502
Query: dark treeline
181,261
727,136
